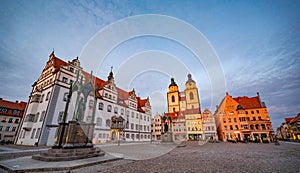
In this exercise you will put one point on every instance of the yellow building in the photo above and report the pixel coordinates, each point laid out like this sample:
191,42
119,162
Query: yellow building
185,107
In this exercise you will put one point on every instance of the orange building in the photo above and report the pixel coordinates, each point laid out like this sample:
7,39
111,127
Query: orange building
243,119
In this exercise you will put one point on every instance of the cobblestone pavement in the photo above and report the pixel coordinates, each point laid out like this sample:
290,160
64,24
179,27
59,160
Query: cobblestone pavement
210,157
220,157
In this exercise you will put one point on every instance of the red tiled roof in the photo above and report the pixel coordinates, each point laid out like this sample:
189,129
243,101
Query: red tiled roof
122,95
249,103
182,98
58,63
13,106
192,111
288,119
296,118
99,83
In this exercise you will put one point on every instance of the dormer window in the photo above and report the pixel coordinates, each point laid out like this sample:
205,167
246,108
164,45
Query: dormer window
71,69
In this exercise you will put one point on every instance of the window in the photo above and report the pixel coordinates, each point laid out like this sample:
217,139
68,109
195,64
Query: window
60,116
24,134
173,99
71,81
64,80
100,106
252,112
13,129
42,98
3,119
37,133
229,120
246,112
116,110
1,127
47,96
29,118
191,96
7,128
132,126
16,120
236,127
32,134
16,112
257,111
10,120
224,120
234,119
71,69
259,118
65,96
99,122
108,108
231,128
137,116
3,110
137,127
254,118
122,111
91,103
36,117
42,116
108,122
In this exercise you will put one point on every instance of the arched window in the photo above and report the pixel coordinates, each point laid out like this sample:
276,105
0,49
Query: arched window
100,106
191,96
108,108
99,122
116,110
108,122
173,99
122,111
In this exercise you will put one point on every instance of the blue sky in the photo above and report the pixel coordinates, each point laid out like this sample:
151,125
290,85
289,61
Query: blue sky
257,43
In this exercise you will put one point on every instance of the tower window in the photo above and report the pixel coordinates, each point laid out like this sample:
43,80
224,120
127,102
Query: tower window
173,99
191,96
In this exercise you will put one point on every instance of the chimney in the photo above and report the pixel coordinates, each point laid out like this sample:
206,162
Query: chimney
1,98
17,101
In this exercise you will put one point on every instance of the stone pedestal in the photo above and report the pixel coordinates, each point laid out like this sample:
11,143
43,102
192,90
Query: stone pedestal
74,135
56,155
73,141
167,137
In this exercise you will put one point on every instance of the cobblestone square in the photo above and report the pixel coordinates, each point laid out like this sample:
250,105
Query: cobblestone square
219,157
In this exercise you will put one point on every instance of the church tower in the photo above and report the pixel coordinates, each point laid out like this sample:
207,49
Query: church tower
191,94
173,97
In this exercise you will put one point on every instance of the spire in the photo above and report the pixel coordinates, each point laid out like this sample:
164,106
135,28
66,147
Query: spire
52,55
173,83
190,79
111,75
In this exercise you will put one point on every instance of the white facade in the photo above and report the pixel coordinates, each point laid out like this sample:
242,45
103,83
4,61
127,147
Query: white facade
209,125
48,100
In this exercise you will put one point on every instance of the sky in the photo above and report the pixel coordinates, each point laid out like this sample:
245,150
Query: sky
255,45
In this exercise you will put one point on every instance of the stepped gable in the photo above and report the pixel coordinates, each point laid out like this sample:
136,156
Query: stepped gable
99,84
141,103
13,106
249,103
